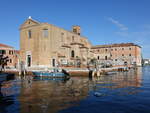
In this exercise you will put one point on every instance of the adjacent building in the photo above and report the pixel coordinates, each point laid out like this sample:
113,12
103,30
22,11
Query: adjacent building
46,45
11,53
119,54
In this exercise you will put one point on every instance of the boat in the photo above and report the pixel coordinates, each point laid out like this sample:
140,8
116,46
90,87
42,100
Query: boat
54,74
6,76
3,77
38,78
111,73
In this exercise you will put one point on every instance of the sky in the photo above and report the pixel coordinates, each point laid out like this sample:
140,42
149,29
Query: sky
101,21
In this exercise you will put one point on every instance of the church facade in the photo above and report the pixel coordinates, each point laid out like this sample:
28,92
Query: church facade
45,45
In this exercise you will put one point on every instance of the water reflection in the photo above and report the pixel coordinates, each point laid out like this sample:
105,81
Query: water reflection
35,95
122,83
51,96
133,78
8,96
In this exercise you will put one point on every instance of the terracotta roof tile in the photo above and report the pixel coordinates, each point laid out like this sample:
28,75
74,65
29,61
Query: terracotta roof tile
17,51
3,45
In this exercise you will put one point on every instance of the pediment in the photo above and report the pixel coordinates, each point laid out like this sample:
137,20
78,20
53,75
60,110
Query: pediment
28,23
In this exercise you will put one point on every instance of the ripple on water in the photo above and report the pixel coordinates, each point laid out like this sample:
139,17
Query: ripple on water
121,93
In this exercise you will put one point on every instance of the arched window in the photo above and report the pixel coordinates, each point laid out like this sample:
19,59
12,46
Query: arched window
98,57
105,57
72,53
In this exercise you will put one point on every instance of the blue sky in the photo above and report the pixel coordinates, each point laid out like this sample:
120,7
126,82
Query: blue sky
102,21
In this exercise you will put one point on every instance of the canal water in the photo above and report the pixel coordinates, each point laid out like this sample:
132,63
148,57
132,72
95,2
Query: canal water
124,92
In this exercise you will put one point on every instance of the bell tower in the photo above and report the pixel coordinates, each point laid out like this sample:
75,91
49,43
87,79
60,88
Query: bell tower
76,29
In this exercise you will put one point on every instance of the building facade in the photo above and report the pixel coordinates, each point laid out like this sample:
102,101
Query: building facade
119,54
45,45
11,53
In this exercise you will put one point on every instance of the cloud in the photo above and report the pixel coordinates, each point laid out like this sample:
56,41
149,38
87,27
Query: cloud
118,24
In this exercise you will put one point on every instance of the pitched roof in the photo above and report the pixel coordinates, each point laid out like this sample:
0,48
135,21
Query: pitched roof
6,46
29,20
33,20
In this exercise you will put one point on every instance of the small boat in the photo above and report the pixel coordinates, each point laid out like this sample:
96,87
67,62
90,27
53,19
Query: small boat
49,74
6,76
61,74
111,72
97,94
3,77
38,78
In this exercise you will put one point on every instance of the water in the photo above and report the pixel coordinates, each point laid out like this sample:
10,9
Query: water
127,92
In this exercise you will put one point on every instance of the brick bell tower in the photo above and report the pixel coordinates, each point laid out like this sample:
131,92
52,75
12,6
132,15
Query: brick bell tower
76,29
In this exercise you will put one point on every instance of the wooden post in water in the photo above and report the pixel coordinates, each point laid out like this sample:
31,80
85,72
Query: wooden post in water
22,70
98,73
93,73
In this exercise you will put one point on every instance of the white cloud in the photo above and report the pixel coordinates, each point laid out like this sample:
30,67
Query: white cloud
117,23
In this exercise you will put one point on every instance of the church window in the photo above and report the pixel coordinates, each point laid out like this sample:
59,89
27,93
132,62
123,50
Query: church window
45,32
72,53
29,34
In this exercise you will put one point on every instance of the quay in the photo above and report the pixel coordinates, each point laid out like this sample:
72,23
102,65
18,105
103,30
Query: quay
74,72
107,71
96,72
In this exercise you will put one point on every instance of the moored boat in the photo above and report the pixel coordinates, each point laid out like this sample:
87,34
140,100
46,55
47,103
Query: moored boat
61,74
111,72
3,77
6,76
49,74
38,78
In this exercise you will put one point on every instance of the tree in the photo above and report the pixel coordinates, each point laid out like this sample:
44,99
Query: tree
3,62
